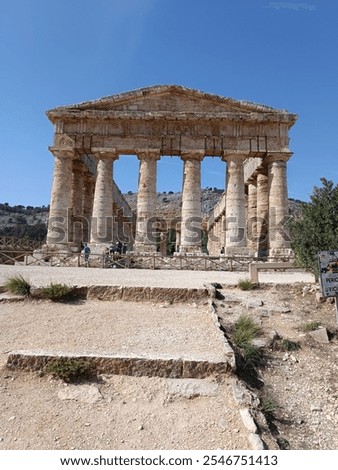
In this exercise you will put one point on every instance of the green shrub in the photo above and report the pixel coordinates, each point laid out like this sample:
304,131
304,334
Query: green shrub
288,345
58,292
69,370
18,285
269,407
246,284
311,326
245,330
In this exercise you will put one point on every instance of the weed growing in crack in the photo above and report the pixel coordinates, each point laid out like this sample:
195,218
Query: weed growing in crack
288,345
58,292
311,326
69,370
245,330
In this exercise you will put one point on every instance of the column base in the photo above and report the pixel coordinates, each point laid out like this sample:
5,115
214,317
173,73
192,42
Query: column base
59,248
280,254
193,250
238,251
143,249
98,248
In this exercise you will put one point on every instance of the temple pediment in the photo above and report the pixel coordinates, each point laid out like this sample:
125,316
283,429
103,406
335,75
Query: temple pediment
167,99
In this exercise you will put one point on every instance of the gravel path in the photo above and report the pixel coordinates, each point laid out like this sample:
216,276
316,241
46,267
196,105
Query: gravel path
43,275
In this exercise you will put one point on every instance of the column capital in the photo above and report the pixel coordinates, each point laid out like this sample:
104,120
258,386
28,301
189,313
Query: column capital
252,180
236,156
192,155
66,152
148,154
103,153
277,157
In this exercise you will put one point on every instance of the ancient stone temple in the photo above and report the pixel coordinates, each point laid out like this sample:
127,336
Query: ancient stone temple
171,120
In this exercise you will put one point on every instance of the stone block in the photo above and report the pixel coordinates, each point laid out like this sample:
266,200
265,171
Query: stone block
86,393
320,335
105,292
248,420
256,442
191,388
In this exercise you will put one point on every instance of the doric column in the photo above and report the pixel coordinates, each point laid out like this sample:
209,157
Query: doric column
102,217
88,199
222,240
145,239
163,243
262,212
61,199
252,214
279,238
191,214
211,239
76,223
235,235
178,240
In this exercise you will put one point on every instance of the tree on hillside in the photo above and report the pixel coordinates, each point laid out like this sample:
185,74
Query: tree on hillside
317,230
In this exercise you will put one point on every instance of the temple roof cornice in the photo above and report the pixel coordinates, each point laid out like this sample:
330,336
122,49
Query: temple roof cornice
69,115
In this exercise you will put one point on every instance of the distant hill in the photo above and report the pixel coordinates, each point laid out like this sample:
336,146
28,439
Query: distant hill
23,221
169,203
31,222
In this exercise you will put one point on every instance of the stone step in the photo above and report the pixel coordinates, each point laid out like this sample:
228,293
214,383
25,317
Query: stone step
132,366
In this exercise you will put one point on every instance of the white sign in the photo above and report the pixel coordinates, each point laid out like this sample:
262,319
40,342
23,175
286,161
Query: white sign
328,271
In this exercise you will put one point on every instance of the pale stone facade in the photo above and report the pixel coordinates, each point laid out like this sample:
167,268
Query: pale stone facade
171,120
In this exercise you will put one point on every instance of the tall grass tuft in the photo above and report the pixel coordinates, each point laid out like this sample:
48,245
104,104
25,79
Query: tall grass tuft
18,285
246,284
245,330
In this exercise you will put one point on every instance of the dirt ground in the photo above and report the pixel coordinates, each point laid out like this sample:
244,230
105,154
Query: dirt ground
111,411
119,412
300,385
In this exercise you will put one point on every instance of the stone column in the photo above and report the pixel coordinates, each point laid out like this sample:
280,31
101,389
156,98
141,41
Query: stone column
262,212
76,222
60,204
252,215
102,217
88,199
222,240
211,239
191,214
236,241
163,243
178,240
279,237
145,239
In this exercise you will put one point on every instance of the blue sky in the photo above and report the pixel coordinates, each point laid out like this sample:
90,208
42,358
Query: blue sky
57,52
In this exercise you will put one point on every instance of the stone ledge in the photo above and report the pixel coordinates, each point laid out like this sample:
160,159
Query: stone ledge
150,294
133,366
134,294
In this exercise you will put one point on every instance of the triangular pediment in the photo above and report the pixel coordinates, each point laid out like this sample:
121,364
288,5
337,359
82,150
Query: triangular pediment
168,99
